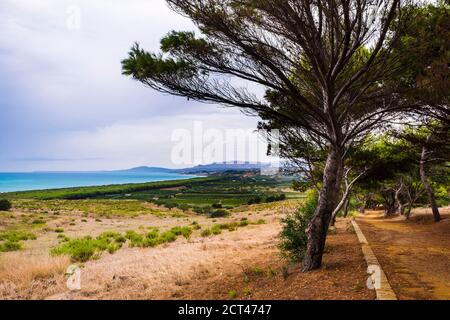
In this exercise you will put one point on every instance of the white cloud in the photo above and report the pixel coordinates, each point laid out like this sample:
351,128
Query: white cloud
63,95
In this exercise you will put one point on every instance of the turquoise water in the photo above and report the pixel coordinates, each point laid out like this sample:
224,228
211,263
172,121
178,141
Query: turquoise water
53,180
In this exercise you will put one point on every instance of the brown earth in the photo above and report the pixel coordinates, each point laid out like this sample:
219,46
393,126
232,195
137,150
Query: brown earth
414,254
342,277
246,262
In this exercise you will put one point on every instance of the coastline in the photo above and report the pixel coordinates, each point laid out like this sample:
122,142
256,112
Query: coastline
48,181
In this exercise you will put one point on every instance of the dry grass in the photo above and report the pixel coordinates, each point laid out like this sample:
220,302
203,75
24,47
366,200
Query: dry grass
24,276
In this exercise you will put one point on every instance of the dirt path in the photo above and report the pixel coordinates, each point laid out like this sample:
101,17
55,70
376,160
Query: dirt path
415,254
245,262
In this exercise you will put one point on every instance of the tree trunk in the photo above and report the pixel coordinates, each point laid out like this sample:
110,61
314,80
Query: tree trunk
398,199
347,203
362,209
390,204
333,220
427,186
408,211
328,196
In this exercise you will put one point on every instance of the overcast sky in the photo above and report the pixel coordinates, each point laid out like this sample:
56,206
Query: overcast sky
64,104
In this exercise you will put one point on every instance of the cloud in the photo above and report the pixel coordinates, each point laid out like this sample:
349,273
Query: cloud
62,94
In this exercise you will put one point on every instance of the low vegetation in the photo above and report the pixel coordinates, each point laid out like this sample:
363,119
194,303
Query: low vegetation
83,249
86,248
293,236
5,205
11,240
212,196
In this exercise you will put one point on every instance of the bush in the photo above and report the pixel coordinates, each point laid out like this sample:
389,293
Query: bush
206,233
186,232
244,223
84,249
9,246
199,210
80,250
217,205
168,236
184,207
5,205
275,198
216,229
293,236
16,236
220,213
255,200
136,239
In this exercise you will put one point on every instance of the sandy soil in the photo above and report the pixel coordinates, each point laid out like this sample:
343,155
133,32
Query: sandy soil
245,261
415,254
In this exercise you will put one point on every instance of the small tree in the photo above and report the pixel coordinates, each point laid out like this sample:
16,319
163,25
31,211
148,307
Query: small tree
294,238
5,205
430,144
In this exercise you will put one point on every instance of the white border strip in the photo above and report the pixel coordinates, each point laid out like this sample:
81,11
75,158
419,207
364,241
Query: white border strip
378,279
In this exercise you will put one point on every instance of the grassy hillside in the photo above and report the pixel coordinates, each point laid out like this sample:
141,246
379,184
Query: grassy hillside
220,191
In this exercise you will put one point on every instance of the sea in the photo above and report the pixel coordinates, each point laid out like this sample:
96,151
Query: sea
10,182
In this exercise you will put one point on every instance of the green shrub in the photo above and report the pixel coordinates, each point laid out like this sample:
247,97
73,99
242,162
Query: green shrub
154,234
255,200
293,236
168,236
177,231
84,249
257,271
80,250
217,205
63,238
9,246
275,198
184,207
243,223
197,227
186,232
59,230
113,247
170,205
216,229
151,242
136,239
220,213
270,272
16,236
5,205
112,235
200,210
206,233
232,294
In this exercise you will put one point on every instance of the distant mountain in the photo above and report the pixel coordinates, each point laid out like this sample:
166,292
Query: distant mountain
223,167
206,169
144,169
